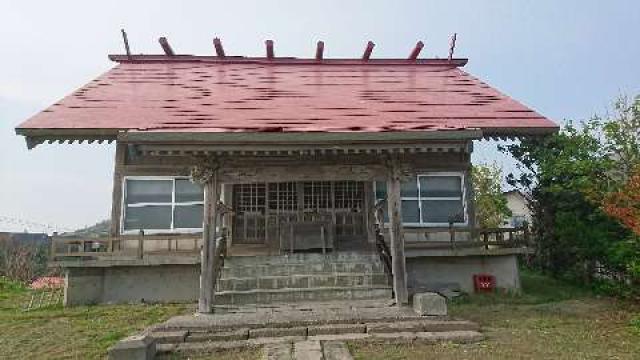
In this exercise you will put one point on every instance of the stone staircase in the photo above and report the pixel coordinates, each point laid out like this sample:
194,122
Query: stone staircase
301,277
182,342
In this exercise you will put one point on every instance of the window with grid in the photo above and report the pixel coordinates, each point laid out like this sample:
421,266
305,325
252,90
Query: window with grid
250,197
162,204
317,195
349,195
434,199
283,196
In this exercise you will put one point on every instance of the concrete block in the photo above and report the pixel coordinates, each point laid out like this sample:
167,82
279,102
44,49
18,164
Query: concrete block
400,337
137,347
334,329
431,304
239,334
307,350
276,332
281,351
394,327
163,337
336,350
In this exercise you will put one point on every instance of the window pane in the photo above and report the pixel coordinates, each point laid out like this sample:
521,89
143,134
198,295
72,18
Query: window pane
442,211
187,191
410,212
381,189
149,191
409,188
148,217
188,217
440,186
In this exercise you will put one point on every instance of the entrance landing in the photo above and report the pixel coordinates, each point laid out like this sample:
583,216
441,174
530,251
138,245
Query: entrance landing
295,314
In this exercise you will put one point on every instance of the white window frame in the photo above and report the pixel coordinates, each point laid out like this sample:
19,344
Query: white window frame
172,230
419,199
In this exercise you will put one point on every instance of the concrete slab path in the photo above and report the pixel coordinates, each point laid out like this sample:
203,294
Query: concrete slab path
307,350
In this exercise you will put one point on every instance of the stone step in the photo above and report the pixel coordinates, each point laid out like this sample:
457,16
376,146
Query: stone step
285,295
455,336
302,281
259,270
363,330
303,258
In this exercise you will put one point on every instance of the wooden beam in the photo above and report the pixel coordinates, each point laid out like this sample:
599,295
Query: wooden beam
368,50
452,45
398,263
269,45
165,46
217,44
319,50
207,254
126,43
416,51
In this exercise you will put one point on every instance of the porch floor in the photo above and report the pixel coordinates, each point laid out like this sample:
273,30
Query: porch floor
359,245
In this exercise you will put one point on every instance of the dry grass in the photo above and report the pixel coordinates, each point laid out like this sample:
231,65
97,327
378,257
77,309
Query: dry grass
549,321
83,332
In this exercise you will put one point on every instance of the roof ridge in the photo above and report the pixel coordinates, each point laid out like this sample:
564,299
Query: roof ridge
143,58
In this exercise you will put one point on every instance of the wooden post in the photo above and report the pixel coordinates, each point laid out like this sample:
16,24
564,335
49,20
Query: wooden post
370,208
452,235
141,244
117,193
207,254
398,264
53,246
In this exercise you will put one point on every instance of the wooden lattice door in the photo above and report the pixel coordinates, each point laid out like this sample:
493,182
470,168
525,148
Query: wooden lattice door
249,204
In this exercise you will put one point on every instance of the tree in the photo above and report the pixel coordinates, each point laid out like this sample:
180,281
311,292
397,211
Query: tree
491,203
576,179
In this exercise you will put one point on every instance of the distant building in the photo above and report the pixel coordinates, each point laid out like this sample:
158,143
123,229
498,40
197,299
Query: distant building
520,212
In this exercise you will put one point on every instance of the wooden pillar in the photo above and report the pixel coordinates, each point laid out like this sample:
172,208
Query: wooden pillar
207,254
117,193
398,264
369,208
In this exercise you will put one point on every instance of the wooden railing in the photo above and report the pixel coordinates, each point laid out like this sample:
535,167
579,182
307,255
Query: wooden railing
490,238
219,256
132,245
384,252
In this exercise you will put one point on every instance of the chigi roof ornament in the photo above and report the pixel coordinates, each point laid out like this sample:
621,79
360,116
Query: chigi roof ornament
270,53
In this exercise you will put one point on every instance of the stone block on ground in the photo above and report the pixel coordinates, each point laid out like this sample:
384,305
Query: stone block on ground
175,336
335,329
307,350
276,332
136,347
336,350
430,304
238,334
281,351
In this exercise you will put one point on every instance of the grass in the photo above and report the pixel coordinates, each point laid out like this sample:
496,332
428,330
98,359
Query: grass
549,320
83,332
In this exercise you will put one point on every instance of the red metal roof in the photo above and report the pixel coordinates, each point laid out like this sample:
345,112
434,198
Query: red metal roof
207,94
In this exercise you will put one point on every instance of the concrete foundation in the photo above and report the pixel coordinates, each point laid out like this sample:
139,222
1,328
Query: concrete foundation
131,284
456,272
163,280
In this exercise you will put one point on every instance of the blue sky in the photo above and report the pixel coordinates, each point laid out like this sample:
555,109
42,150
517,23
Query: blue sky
565,59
